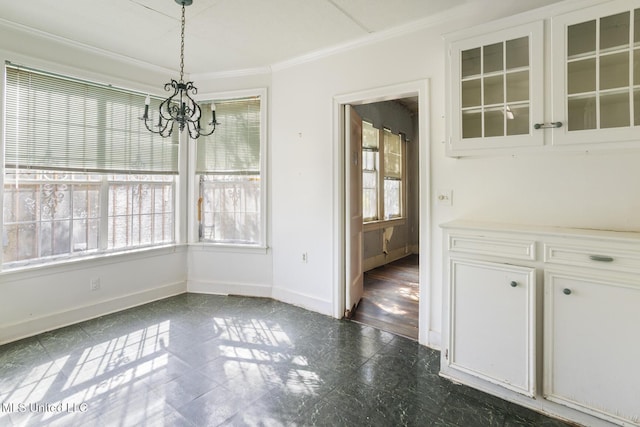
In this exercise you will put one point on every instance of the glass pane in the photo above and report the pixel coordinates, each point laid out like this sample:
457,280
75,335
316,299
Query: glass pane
581,38
517,53
471,93
582,113
581,76
392,198
518,86
614,31
471,62
472,124
614,110
614,70
636,107
493,90
636,26
369,135
492,58
494,122
518,120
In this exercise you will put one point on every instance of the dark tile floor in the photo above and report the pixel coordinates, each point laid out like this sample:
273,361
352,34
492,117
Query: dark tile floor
200,360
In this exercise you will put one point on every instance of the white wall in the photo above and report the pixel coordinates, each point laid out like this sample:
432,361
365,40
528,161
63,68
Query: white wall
48,297
596,190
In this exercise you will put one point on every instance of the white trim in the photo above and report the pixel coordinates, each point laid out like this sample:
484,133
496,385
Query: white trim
19,330
39,269
246,72
261,92
205,286
305,301
375,37
401,90
77,45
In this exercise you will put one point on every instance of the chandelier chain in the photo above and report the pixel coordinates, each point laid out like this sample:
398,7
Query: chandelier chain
182,47
179,108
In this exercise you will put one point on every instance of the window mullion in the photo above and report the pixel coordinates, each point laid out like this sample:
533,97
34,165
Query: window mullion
103,236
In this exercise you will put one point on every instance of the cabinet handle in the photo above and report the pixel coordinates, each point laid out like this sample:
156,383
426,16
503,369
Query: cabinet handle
601,258
566,291
514,284
547,125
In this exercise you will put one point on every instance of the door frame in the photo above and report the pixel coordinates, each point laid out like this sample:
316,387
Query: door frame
419,88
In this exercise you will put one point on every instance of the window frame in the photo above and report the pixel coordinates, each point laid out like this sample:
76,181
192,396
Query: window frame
194,177
381,221
101,252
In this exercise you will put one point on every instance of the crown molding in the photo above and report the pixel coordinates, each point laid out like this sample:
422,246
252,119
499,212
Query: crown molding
81,46
231,73
375,37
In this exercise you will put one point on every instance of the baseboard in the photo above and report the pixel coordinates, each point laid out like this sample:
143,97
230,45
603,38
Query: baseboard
301,300
20,330
200,286
382,259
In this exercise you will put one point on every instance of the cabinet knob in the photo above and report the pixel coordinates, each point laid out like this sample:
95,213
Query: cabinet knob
514,284
566,291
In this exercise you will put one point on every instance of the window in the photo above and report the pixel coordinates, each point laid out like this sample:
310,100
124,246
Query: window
230,166
392,175
382,174
82,174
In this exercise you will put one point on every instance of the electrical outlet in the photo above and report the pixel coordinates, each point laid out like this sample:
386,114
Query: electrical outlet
94,284
305,257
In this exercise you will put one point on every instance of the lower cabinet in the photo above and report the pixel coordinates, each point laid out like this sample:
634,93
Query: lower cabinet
545,317
492,333
592,344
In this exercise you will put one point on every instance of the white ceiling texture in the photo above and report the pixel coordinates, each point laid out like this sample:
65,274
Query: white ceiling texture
221,35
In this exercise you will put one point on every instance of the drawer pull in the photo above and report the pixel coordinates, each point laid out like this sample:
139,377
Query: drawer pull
514,284
566,291
601,258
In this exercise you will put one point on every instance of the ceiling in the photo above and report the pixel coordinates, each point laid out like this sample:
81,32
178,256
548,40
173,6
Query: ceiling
221,35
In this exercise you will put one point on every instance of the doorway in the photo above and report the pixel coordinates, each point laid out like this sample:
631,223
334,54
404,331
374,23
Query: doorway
348,268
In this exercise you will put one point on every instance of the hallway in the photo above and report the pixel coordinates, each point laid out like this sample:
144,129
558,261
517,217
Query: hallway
390,300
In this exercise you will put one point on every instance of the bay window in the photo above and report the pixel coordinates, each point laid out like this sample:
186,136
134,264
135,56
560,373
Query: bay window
82,175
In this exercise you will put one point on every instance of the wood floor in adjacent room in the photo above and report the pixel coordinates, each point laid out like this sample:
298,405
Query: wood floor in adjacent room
390,300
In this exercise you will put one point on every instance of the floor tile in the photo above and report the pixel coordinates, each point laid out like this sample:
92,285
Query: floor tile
206,360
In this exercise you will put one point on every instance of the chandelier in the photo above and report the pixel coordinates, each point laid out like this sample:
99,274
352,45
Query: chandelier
179,107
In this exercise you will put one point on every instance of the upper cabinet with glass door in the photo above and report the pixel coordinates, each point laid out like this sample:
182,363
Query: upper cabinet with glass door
496,85
596,74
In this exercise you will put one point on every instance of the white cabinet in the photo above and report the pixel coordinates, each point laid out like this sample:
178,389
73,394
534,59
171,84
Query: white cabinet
496,89
505,92
596,73
592,344
492,333
545,317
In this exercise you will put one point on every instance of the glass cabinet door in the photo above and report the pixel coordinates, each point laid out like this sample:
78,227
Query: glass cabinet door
598,74
496,81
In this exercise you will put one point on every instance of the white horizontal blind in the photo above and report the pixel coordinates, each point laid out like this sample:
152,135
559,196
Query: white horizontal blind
234,148
53,122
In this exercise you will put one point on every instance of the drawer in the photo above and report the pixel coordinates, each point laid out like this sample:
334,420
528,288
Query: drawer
486,245
592,257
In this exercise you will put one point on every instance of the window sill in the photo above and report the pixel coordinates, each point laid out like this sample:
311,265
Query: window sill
35,268
228,248
377,225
